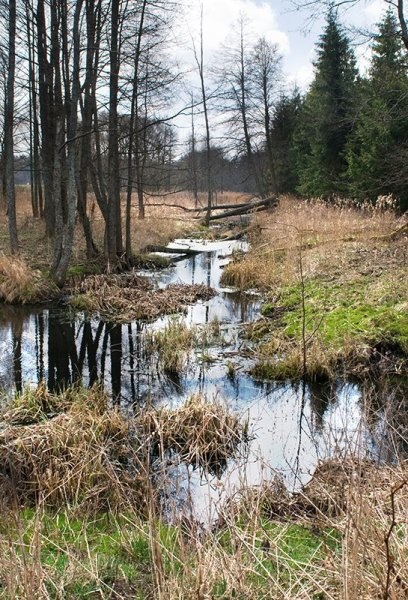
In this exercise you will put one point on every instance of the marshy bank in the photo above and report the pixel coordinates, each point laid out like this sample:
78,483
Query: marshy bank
335,285
82,514
192,477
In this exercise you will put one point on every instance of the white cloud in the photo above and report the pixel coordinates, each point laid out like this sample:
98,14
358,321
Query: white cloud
220,17
374,10
303,76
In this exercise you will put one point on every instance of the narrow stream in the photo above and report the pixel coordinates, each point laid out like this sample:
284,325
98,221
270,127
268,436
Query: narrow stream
291,427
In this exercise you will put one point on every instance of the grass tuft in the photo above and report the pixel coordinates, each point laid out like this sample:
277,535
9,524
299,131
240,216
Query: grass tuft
20,284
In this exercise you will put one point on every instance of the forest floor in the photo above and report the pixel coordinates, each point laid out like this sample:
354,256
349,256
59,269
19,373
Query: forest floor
80,514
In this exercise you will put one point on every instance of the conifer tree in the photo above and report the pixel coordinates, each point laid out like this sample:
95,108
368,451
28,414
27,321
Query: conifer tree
378,148
327,115
282,130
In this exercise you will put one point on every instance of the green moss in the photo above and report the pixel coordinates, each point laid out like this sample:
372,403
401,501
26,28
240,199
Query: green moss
150,261
85,302
342,323
83,269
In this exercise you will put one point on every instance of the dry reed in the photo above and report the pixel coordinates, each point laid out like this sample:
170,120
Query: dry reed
124,298
204,434
21,284
75,457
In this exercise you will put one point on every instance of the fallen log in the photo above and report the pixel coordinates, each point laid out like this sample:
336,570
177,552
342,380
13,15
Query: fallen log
166,250
222,207
263,204
185,208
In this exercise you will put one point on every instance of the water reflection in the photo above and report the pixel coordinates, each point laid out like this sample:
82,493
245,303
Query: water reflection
292,426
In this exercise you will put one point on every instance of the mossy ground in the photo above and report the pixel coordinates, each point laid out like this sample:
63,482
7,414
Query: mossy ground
344,299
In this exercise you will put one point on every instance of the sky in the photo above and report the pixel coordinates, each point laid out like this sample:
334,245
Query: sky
293,31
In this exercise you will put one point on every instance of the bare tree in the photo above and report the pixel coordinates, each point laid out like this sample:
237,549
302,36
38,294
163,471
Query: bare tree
264,81
9,129
199,58
237,101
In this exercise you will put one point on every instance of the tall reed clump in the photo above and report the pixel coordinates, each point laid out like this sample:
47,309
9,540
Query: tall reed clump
20,284
202,433
68,450
170,346
82,510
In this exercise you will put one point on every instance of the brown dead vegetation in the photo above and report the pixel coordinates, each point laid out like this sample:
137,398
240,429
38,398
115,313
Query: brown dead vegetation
162,224
73,449
124,298
20,284
202,433
75,454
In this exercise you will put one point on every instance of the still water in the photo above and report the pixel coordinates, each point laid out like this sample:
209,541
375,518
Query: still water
290,427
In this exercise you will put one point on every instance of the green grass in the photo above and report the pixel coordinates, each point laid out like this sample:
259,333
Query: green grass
80,556
362,311
100,550
343,322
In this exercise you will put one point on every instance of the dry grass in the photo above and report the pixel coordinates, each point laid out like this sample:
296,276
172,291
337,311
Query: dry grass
73,449
171,346
335,281
21,284
329,235
162,224
203,433
76,456
342,536
358,552
124,298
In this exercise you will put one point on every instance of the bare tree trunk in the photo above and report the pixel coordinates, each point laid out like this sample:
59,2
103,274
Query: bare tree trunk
35,165
242,102
86,109
67,238
9,129
200,66
193,156
114,232
132,133
46,102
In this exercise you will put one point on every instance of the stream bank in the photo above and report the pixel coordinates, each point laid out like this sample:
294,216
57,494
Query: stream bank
292,426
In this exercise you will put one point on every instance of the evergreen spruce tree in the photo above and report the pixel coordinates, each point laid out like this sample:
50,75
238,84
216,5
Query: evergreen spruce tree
378,148
327,115
282,130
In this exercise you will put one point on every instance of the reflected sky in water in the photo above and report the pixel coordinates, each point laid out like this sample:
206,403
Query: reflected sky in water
290,427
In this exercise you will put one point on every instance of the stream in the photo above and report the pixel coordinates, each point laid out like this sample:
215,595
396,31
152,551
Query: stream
291,427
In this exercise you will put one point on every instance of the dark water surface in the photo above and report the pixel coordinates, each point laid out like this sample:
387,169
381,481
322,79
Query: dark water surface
291,427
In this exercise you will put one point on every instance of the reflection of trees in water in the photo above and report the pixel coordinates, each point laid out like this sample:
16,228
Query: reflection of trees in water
320,396
64,351
385,402
115,336
63,364
83,351
12,321
16,334
39,345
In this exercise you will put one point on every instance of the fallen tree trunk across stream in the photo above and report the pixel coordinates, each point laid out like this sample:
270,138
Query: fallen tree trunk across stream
245,209
170,250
